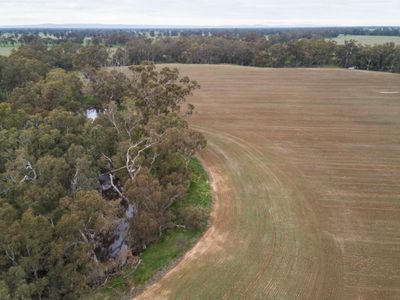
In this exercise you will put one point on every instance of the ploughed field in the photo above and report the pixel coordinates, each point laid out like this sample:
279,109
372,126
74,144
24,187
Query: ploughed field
305,166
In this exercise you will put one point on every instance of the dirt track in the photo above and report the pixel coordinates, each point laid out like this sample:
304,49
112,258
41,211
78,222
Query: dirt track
305,165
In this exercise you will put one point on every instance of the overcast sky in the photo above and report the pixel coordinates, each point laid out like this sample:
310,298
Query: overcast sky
205,12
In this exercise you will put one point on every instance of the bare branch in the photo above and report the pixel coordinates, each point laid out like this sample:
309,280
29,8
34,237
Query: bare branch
154,159
130,163
96,260
11,256
106,157
74,180
109,112
27,177
116,188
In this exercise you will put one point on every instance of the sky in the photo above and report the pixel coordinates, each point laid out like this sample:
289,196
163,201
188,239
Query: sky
202,13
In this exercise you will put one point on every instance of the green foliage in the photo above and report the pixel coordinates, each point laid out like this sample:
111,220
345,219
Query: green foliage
58,234
199,193
58,90
19,70
159,92
173,244
297,49
85,50
92,56
107,86
160,254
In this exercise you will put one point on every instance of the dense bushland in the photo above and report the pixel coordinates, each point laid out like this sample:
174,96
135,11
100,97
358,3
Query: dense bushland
79,198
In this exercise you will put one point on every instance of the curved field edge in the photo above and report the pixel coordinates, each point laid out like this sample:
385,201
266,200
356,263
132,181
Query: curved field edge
261,237
304,165
164,254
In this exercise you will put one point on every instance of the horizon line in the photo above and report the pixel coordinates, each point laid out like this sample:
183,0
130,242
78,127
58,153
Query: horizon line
172,26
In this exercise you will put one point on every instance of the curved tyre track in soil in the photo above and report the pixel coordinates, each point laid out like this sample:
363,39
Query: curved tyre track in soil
305,168
255,248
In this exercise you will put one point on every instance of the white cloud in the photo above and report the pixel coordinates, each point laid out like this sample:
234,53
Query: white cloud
205,12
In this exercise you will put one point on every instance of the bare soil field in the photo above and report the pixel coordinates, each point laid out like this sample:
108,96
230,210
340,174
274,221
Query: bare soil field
305,168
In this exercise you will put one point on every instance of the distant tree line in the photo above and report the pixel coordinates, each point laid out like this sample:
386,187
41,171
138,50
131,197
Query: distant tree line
300,47
124,34
256,50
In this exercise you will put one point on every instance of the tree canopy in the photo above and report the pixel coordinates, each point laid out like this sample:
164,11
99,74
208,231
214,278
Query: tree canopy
80,197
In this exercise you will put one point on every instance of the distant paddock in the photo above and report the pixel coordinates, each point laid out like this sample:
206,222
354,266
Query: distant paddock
368,39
